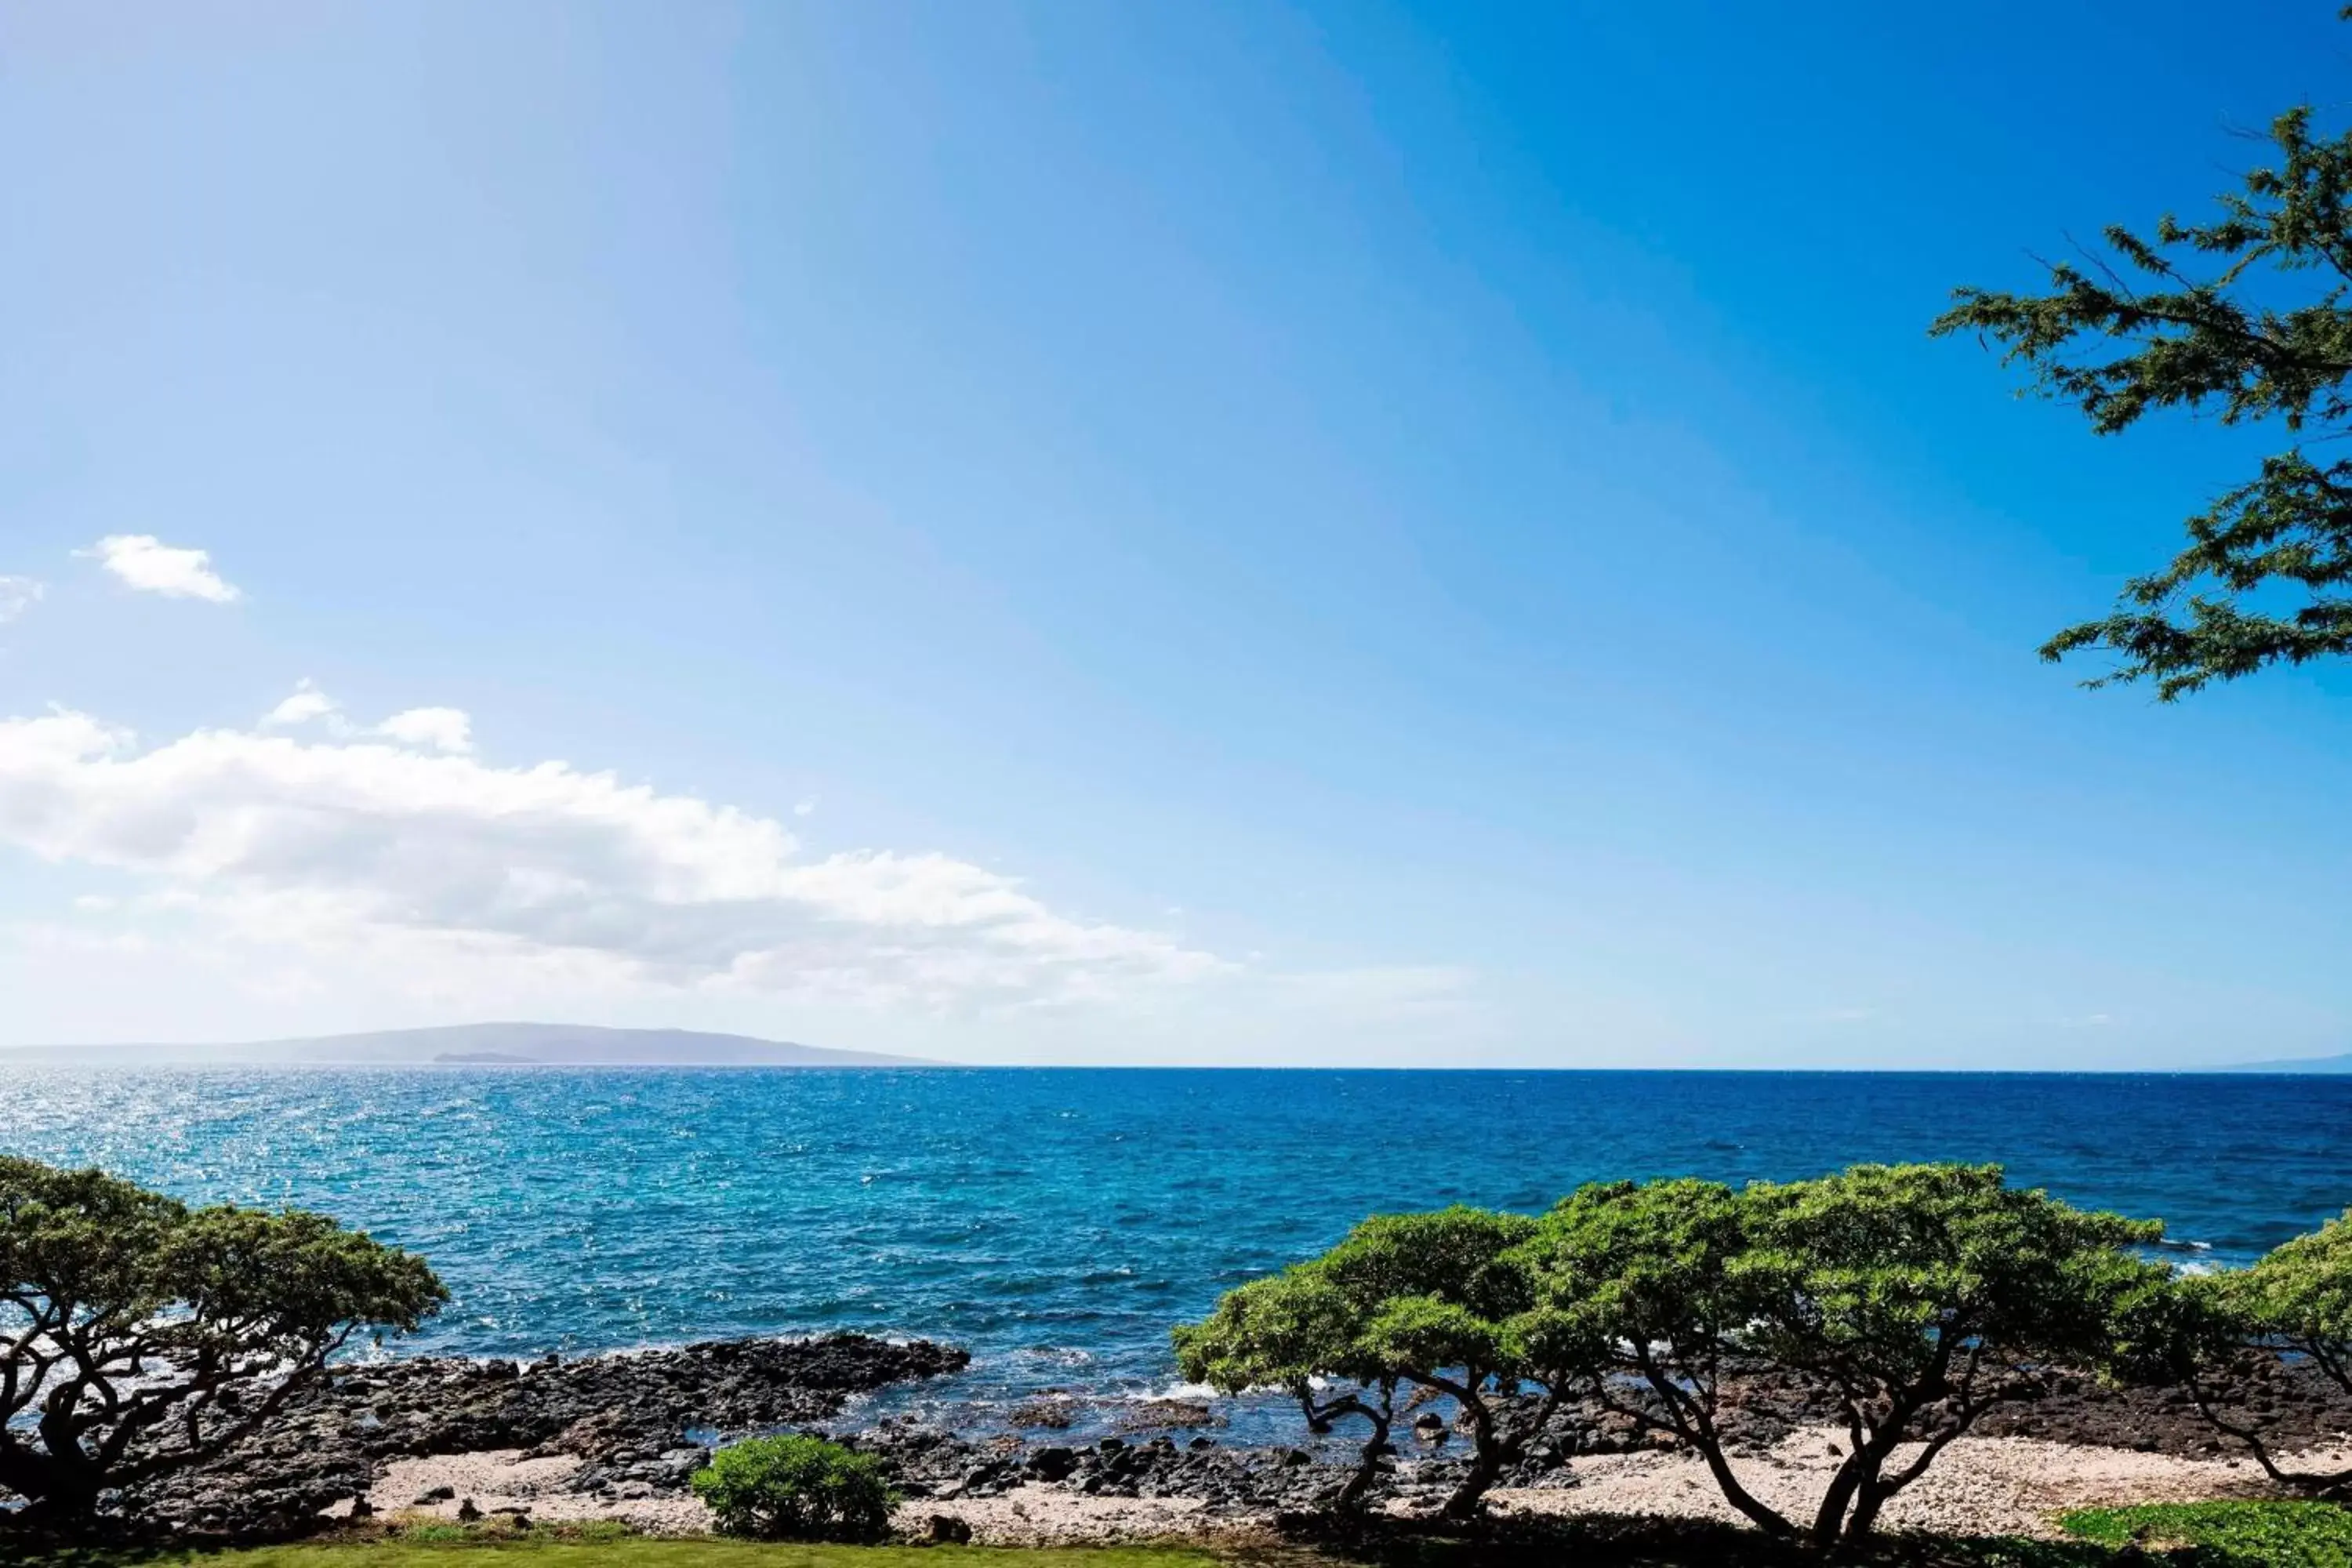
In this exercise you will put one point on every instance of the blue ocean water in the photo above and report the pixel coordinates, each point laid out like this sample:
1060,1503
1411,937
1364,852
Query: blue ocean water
1058,1222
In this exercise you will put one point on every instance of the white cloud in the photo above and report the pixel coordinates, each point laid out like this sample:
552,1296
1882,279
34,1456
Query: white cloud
145,562
423,728
18,594
395,851
441,729
307,704
804,807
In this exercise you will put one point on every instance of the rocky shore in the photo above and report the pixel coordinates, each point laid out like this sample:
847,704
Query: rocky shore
635,1419
621,1435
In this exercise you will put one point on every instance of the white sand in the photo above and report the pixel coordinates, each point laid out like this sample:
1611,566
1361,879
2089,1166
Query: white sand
1980,1486
502,1477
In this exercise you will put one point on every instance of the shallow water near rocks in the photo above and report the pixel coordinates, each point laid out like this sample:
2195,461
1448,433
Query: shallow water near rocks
1057,1221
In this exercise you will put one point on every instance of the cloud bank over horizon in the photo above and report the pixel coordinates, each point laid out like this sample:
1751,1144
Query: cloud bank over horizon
392,848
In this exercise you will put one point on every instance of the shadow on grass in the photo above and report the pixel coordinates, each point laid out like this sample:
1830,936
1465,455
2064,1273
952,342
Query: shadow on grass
1599,1541
127,1551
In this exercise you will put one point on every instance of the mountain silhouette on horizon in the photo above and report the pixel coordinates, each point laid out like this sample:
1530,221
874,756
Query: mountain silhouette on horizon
509,1044
2328,1065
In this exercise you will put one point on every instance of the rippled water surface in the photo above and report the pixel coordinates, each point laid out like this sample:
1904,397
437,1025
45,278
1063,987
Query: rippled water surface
1058,1222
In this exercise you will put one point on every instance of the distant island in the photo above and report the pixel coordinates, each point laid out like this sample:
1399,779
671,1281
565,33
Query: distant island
473,1044
2338,1064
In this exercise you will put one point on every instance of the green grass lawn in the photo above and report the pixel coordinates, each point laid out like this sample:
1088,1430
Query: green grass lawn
2228,1534
2180,1535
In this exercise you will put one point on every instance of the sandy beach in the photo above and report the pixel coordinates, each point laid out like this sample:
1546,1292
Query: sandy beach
1980,1486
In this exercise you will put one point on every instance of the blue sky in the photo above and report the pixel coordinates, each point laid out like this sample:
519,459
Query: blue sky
1129,533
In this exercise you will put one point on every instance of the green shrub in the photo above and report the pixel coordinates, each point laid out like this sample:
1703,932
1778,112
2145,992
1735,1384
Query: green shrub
797,1488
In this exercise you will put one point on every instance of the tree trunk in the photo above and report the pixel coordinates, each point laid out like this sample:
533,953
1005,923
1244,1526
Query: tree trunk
1829,1519
1368,1471
1765,1517
1487,1461
1486,1468
64,1479
1867,1501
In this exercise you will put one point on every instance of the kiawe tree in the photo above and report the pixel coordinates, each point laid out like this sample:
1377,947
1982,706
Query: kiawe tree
1636,1282
1917,1294
1298,1332
2247,318
1911,1293
138,1336
2190,1331
1432,1301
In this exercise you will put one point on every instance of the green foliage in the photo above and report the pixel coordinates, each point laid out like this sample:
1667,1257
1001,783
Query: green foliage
138,1335
2170,1329
2231,1534
1282,1331
1428,1300
1453,1256
2298,1297
1293,1331
797,1488
1916,1290
1898,1276
1641,1289
2244,318
1909,1289
2188,1332
1647,1265
2301,1293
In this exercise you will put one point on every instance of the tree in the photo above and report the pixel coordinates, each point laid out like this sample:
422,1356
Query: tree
140,1336
2245,318
2297,1298
1420,1299
1910,1293
1297,1331
1918,1293
1640,1284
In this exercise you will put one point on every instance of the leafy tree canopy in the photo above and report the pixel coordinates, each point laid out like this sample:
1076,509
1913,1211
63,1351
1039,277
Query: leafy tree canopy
2301,1293
2190,1331
1638,1286
1297,1330
2244,318
138,1335
1906,1290
1421,1299
1910,1293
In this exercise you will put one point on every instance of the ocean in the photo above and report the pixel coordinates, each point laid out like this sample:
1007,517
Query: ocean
1057,1221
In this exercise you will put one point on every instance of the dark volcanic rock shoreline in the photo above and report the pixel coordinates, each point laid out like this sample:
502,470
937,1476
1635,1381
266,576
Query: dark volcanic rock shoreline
642,1422
613,1411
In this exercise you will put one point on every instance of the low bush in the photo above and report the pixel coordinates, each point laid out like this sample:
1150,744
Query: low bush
797,1488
